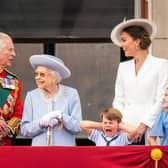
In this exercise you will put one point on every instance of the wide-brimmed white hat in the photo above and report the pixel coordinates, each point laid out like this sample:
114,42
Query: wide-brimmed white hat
51,62
148,25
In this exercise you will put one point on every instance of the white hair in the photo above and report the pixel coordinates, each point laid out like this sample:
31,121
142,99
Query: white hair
2,40
57,75
54,73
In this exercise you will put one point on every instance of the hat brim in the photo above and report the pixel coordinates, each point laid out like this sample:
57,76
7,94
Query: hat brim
148,25
50,63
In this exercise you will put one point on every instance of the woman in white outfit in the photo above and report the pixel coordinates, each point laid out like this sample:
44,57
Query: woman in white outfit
140,82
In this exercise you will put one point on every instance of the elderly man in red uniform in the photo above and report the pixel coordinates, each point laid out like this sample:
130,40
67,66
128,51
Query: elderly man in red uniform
11,108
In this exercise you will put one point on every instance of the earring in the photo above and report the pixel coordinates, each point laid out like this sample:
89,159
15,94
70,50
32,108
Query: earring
137,47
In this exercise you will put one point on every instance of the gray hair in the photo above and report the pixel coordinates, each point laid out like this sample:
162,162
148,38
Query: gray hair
2,41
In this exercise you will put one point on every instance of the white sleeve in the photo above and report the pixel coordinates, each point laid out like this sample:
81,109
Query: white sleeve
150,117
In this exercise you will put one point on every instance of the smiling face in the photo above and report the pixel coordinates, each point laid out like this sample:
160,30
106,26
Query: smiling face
129,45
7,52
44,77
110,127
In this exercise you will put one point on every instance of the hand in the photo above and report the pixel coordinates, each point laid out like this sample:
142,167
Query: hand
58,114
141,129
165,99
3,128
53,122
44,122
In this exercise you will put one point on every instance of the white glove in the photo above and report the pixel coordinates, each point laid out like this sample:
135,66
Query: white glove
53,122
58,114
44,121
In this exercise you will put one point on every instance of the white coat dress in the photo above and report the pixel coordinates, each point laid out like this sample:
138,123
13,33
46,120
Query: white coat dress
139,97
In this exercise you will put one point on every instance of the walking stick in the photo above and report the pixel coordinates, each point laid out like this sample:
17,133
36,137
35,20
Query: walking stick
49,136
49,129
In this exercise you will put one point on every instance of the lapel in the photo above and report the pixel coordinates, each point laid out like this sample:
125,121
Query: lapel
144,68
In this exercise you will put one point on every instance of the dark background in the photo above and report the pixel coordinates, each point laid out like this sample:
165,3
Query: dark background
63,18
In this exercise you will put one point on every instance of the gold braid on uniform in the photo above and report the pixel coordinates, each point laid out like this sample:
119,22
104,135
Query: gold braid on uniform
11,73
13,125
11,100
14,122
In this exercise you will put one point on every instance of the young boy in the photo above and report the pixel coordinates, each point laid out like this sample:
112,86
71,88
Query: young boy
109,132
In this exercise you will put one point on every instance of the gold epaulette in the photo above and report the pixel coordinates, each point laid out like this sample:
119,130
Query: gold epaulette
11,73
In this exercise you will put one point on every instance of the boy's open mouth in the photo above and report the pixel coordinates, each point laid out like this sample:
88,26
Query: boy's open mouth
108,130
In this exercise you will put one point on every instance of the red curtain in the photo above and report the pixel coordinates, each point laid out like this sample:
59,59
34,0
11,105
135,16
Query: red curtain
81,157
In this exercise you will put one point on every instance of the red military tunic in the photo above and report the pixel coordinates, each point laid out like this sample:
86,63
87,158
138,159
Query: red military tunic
11,108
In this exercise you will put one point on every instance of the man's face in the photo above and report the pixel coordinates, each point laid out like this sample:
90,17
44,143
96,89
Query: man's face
7,53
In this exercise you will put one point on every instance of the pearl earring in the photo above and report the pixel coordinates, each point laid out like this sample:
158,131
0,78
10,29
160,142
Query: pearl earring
137,47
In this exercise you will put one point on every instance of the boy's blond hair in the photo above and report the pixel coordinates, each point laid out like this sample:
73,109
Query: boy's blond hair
111,114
